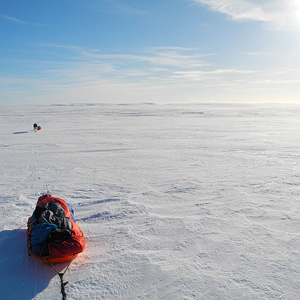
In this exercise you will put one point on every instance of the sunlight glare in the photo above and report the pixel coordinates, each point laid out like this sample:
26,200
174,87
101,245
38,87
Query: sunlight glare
297,12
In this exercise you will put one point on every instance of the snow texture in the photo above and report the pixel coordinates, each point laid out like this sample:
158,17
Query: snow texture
177,202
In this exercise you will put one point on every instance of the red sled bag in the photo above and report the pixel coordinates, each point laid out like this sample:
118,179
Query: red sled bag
53,235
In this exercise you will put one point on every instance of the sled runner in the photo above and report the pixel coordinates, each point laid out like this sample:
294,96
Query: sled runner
52,233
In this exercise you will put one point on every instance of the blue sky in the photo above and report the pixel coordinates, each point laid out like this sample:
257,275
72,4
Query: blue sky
164,51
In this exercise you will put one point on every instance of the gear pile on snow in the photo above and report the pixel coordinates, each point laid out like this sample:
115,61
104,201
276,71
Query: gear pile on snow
53,235
36,127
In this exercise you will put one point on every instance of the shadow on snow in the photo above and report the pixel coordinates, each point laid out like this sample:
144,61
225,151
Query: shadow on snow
22,277
20,132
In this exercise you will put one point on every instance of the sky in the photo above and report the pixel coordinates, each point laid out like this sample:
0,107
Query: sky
158,51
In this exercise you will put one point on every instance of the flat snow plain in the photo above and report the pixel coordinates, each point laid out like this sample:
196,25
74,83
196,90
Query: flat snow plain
177,202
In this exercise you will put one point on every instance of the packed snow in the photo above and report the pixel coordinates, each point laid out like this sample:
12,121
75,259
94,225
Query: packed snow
177,202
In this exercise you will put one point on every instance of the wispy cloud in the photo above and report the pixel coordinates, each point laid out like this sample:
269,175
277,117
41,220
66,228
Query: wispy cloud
82,74
16,20
112,7
125,8
277,13
236,9
200,75
160,57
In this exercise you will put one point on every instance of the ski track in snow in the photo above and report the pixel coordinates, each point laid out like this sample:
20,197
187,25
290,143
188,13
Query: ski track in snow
176,201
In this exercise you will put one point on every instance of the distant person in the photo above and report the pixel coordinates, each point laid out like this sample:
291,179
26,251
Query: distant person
35,126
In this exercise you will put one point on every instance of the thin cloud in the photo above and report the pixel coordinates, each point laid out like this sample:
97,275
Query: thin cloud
277,13
112,7
125,9
176,57
170,72
202,75
16,20
156,66
237,9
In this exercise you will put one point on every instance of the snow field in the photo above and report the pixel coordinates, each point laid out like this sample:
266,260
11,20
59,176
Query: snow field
176,201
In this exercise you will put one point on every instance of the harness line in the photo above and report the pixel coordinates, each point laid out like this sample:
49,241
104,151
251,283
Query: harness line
61,275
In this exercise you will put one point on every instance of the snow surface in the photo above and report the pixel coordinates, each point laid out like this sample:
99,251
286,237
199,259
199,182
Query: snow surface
175,201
